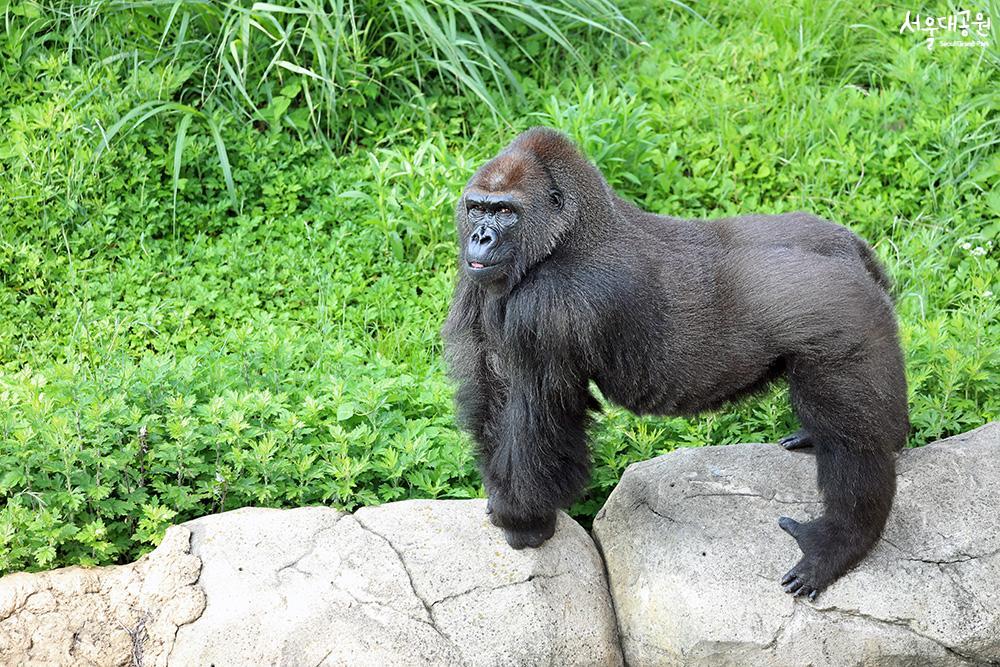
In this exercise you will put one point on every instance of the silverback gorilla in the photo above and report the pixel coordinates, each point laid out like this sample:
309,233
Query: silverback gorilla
563,283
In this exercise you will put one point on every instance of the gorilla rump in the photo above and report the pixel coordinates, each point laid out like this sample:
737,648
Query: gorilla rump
562,283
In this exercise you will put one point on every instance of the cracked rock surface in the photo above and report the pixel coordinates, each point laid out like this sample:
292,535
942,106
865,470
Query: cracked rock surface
127,615
694,554
408,583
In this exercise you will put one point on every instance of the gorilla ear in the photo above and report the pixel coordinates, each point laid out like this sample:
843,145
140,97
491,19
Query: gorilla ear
556,197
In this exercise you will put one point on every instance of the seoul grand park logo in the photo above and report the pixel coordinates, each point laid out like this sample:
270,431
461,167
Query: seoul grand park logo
962,29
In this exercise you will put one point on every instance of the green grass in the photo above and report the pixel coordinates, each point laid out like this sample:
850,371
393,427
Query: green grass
182,334
328,69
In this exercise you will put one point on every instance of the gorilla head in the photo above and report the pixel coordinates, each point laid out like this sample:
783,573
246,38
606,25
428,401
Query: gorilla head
514,211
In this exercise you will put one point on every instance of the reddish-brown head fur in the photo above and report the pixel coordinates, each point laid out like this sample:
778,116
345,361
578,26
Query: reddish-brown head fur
527,158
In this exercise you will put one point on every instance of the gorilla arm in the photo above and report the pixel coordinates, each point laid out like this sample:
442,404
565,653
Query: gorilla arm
539,462
534,459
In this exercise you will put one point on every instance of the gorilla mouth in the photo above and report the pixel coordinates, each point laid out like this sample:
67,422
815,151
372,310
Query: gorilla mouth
484,270
482,266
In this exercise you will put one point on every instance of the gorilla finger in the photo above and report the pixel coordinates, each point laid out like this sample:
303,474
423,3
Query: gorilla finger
519,539
812,596
788,577
515,540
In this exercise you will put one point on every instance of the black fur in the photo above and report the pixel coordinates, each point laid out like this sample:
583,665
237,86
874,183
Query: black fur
562,283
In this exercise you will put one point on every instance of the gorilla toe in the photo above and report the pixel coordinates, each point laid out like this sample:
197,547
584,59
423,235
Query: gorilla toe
800,581
790,526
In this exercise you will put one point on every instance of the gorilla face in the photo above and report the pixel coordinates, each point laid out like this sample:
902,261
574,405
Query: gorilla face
490,249
510,217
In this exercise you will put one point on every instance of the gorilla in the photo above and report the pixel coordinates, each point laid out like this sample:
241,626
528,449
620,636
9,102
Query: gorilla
563,283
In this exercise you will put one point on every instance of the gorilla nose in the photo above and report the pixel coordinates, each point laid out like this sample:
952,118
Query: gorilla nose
483,237
481,242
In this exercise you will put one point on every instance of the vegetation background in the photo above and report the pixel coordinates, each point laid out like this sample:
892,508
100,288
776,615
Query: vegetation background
226,246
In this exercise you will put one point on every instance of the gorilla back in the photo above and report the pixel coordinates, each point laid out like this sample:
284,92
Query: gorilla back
561,283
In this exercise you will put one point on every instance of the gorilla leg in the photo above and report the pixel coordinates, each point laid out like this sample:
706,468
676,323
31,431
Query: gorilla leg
858,487
855,413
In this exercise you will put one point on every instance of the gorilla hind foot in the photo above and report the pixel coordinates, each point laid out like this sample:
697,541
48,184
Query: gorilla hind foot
798,440
801,580
827,555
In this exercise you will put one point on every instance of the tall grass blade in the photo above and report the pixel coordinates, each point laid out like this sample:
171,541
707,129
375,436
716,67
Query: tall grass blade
227,171
179,143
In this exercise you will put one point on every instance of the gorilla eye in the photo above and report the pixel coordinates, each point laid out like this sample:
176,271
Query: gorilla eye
504,210
557,199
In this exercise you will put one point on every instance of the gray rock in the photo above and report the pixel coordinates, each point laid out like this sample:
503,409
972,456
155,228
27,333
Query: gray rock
694,554
409,583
